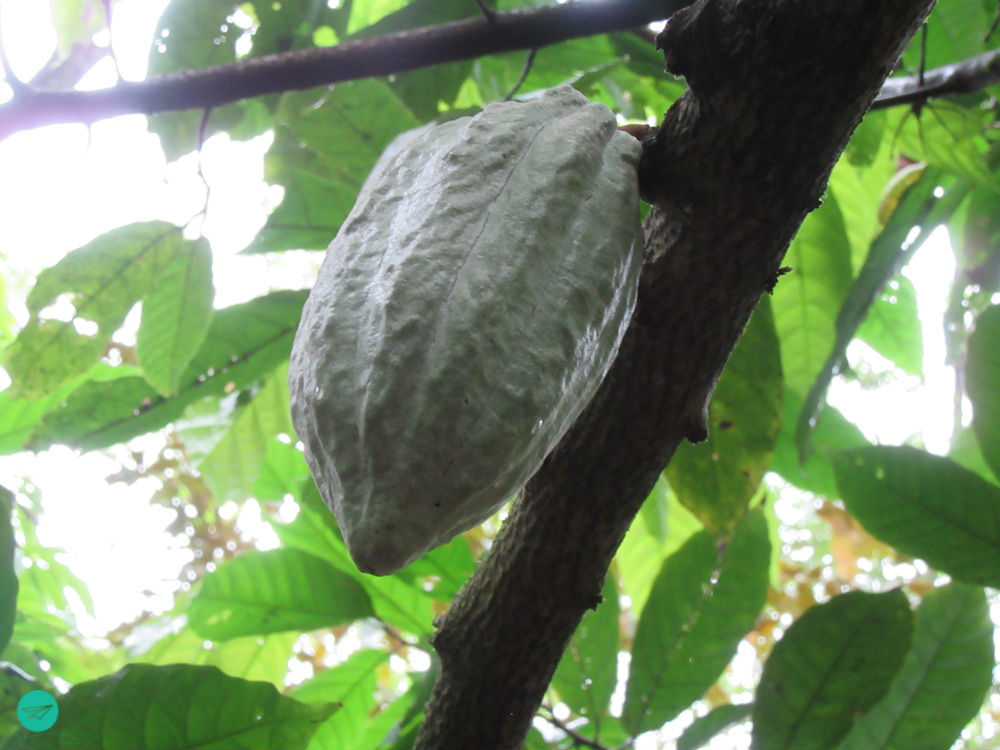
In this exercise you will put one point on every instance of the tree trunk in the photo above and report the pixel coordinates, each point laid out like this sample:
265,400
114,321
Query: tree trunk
776,89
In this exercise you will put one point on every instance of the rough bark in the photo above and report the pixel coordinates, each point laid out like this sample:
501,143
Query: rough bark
776,88
958,78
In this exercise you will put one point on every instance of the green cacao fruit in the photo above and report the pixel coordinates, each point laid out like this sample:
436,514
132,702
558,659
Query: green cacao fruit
464,315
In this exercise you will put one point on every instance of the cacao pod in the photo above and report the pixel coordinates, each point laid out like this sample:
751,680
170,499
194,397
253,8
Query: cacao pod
467,310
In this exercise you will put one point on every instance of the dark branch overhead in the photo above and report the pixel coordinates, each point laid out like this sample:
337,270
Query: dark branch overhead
480,35
353,59
963,77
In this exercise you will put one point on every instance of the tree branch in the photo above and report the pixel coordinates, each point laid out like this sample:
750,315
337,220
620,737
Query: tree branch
407,50
963,77
739,161
65,72
361,58
578,739
15,83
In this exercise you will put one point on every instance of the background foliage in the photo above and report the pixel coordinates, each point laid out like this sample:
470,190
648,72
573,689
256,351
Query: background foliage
787,580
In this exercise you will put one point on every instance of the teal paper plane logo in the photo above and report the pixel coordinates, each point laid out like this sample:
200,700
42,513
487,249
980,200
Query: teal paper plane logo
37,711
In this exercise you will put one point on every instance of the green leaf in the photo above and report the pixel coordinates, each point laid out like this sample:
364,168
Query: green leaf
20,417
492,78
716,479
807,299
420,693
47,574
706,727
244,342
8,578
101,413
607,731
185,131
445,568
313,529
965,451
46,646
43,631
397,601
322,152
7,322
892,326
832,432
195,34
282,472
365,14
274,591
583,62
951,138
75,21
859,189
175,318
866,140
944,678
425,89
659,530
587,672
641,57
233,465
410,15
956,30
975,235
927,507
834,662
702,604
101,281
634,96
401,604
13,685
407,599
288,25
384,723
180,705
352,685
251,657
563,62
919,206
982,382
962,24
205,423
